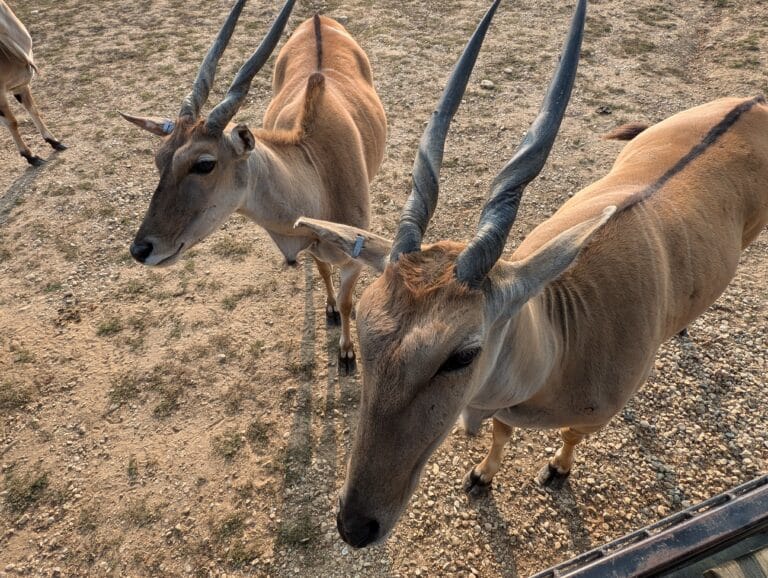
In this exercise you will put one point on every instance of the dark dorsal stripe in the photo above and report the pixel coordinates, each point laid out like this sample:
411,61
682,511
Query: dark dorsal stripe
709,139
319,41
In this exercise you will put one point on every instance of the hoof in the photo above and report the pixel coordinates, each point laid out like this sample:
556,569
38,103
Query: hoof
56,145
332,317
347,362
33,160
550,477
474,485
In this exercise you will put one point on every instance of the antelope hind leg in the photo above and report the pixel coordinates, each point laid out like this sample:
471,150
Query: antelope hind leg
554,474
7,118
350,271
477,482
24,96
332,315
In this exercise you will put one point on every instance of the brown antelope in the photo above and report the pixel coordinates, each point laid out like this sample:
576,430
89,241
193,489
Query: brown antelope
17,67
322,143
565,332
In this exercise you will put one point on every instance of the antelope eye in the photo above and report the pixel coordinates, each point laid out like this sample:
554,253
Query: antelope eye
459,360
203,167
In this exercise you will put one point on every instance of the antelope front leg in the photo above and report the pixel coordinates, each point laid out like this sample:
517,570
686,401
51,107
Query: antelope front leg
7,118
24,96
478,480
332,316
557,470
350,271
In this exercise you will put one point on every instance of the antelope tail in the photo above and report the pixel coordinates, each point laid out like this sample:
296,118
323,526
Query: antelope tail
626,131
315,89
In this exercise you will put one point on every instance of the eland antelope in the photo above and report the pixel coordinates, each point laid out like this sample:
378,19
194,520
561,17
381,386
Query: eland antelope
321,144
17,67
566,331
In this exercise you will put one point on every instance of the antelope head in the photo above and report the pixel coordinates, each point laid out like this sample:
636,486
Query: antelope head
202,161
426,324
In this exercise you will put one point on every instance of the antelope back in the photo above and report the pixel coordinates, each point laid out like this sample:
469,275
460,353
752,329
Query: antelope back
346,101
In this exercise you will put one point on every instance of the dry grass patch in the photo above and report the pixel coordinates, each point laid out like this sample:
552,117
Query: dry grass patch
109,327
23,490
257,434
229,543
299,530
230,302
14,396
168,382
228,444
231,248
634,46
141,514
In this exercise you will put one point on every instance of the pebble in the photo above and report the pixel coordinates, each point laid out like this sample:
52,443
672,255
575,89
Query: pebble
487,84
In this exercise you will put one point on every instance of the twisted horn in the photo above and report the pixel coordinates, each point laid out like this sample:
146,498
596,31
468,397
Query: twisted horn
194,101
420,206
498,215
227,108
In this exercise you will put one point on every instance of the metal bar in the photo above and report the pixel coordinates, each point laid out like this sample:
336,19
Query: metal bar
674,539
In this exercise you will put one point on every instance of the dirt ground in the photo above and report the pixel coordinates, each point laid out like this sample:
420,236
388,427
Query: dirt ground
190,421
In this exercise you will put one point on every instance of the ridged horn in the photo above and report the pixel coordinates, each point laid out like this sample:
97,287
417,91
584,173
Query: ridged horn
421,203
194,101
227,108
498,215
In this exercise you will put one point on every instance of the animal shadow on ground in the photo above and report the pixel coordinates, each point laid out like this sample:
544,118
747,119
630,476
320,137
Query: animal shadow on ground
501,543
310,459
709,392
13,195
567,507
296,518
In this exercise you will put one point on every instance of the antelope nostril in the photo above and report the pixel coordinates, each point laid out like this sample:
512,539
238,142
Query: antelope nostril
140,250
357,531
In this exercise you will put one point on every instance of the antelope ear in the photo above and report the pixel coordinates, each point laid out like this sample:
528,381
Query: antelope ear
242,139
359,244
153,124
524,279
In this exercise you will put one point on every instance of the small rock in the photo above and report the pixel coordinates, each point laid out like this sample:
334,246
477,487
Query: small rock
487,84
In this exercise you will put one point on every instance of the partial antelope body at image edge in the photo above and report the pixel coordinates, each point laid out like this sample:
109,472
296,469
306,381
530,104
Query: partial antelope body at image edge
17,68
321,144
566,331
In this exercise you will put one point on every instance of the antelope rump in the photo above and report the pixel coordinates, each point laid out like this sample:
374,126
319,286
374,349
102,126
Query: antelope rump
17,68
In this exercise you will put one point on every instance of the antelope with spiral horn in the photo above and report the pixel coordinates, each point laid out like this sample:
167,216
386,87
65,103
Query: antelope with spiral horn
321,144
566,331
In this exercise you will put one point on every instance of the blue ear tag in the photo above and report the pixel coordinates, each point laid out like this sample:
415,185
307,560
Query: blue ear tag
358,246
168,126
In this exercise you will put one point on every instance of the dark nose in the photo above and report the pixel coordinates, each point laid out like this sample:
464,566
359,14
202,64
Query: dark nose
140,250
358,531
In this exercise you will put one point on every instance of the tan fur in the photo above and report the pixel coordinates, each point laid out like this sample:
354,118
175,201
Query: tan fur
321,144
626,131
17,67
570,327
427,271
